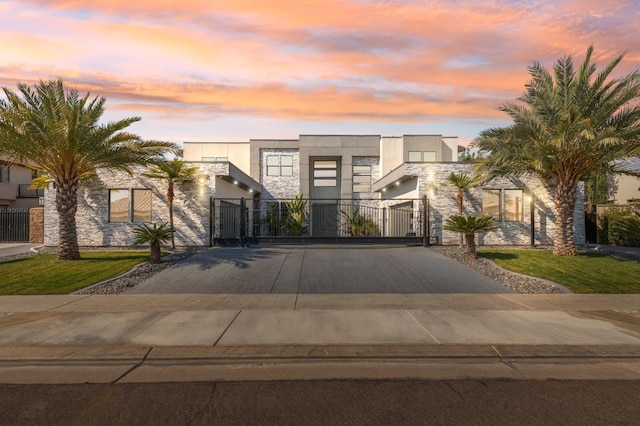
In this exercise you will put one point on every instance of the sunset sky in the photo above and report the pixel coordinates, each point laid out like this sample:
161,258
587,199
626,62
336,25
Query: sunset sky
210,70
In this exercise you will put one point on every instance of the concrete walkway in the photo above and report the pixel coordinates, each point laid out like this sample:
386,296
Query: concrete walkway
187,337
627,253
318,270
10,250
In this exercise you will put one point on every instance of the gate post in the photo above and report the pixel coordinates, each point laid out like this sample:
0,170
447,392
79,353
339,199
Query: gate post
243,221
212,218
426,228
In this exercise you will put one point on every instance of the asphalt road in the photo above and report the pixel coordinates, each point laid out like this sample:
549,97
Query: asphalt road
469,402
318,270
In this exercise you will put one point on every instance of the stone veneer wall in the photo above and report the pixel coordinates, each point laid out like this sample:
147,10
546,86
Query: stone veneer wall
191,208
443,203
191,205
374,162
279,187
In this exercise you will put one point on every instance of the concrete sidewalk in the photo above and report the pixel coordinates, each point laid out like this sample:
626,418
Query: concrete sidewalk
165,338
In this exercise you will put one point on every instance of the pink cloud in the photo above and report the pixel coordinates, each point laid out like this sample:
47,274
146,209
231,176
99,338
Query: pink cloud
331,60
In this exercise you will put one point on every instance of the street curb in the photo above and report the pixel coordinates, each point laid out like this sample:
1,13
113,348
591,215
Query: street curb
121,365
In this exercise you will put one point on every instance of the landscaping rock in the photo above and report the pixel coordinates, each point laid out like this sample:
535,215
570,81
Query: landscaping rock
519,283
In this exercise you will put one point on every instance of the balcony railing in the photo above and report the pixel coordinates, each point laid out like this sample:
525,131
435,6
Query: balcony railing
25,192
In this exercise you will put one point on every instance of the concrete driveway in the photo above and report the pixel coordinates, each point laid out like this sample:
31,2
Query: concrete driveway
9,250
318,270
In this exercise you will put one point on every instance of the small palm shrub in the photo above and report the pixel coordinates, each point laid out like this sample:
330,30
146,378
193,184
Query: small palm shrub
297,215
154,237
470,226
360,225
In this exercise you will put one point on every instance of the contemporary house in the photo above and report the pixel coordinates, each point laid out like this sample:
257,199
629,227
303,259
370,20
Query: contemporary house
314,188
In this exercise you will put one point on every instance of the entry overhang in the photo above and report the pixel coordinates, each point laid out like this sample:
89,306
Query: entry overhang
395,177
239,178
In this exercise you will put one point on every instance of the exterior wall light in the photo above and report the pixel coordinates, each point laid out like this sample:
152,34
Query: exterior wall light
202,178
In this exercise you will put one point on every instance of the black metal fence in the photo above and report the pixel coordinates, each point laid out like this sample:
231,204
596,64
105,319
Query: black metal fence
315,218
14,226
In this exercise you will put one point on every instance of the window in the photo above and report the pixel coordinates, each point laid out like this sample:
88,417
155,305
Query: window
415,156
129,205
325,173
212,159
361,178
119,205
513,205
279,165
4,174
422,156
503,204
142,205
491,202
429,156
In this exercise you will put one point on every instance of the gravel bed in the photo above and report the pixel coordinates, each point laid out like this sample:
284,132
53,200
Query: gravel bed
519,283
139,273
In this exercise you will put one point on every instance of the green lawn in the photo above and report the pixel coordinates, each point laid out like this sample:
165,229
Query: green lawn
586,273
44,274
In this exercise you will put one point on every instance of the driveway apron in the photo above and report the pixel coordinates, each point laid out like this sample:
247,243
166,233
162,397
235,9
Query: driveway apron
318,270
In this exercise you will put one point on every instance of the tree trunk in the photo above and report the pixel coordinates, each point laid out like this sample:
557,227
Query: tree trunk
565,204
460,202
471,246
66,205
170,194
154,257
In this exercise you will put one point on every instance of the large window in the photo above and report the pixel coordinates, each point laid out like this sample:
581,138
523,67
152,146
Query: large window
503,204
422,156
129,205
361,178
279,165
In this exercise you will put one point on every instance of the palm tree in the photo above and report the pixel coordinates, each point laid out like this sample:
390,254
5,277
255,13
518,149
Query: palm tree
470,226
60,131
154,236
572,123
173,172
463,183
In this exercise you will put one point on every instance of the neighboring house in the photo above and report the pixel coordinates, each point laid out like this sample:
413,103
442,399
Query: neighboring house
15,179
626,189
365,185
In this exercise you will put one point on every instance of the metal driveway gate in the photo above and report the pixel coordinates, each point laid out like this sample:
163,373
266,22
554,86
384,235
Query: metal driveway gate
234,221
14,226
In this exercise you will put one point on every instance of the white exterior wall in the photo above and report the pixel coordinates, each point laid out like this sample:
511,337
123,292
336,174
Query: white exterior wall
235,152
